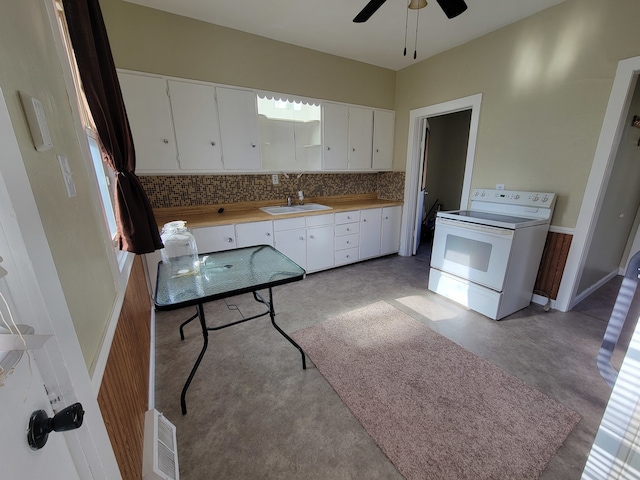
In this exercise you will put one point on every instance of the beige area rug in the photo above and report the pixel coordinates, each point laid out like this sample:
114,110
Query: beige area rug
435,409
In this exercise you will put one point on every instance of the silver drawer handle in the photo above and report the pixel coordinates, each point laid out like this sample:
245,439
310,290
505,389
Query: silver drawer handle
301,238
268,234
213,144
348,256
165,140
348,229
230,240
311,237
348,242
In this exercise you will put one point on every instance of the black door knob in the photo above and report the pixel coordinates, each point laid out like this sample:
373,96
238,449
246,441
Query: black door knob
40,425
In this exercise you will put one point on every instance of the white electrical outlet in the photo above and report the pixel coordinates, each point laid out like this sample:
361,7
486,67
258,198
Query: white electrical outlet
274,179
499,186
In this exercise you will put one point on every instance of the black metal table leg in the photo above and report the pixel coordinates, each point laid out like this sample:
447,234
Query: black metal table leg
194,316
272,314
205,335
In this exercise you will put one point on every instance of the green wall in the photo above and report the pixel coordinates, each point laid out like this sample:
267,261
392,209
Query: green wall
74,226
157,42
545,83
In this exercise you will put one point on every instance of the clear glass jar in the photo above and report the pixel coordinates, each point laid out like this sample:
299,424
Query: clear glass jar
180,251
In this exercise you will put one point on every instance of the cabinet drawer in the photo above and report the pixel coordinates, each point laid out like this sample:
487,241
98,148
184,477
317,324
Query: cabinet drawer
347,217
316,220
348,241
347,229
346,256
288,223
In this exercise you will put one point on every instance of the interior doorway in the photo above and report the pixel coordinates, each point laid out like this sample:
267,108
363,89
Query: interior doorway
442,177
450,118
572,287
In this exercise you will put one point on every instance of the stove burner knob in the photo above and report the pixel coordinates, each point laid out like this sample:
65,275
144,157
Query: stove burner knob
517,196
483,194
536,198
545,198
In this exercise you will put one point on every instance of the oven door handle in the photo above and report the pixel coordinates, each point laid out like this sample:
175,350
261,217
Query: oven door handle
476,227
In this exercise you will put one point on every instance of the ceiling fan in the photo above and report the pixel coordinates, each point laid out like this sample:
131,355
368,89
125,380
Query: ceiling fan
451,8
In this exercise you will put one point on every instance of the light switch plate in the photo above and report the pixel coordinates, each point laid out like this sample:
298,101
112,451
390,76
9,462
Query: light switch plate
67,176
274,179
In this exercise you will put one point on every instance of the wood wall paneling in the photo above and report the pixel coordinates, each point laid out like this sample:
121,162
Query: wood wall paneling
124,393
554,258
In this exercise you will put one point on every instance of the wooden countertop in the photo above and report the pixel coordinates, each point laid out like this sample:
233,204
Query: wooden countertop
243,212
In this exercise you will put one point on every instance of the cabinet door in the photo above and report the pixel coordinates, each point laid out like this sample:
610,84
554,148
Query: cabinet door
214,239
147,103
238,129
390,239
254,233
335,135
320,248
370,225
293,244
383,131
195,120
360,138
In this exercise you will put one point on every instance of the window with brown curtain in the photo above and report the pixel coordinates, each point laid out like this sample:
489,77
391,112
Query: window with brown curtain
137,230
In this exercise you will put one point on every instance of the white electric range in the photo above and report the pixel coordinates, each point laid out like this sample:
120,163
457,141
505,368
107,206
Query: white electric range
487,258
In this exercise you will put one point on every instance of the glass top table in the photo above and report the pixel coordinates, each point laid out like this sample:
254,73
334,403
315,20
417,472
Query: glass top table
226,274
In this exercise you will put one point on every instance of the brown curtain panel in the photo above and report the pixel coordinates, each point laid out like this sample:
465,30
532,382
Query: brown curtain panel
137,228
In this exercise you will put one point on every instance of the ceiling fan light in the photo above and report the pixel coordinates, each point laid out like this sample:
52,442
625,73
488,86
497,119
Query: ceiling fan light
416,4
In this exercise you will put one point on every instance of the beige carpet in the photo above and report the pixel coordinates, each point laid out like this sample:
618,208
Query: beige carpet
435,409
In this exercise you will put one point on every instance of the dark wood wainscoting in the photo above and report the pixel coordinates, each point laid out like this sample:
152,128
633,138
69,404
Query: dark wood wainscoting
554,258
124,393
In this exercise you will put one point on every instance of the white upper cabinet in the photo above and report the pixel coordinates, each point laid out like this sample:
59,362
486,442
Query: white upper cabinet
197,129
186,127
149,113
335,136
383,131
239,129
360,138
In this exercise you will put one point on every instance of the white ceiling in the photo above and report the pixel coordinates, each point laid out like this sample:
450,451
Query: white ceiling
327,26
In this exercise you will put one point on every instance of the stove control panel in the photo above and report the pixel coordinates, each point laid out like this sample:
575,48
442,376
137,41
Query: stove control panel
514,197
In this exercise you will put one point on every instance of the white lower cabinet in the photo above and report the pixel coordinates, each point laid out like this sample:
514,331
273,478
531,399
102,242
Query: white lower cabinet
291,239
347,237
390,236
370,229
320,242
316,242
308,241
254,233
214,239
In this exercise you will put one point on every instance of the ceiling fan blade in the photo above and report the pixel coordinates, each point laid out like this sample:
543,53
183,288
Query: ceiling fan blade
452,8
369,9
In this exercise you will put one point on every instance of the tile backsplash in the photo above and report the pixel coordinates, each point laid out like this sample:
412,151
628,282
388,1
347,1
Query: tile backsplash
189,190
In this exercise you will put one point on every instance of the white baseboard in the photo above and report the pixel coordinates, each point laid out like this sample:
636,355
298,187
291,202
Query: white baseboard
582,295
152,361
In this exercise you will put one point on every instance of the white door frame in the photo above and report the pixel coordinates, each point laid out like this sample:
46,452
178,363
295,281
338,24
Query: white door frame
417,226
412,176
61,362
610,134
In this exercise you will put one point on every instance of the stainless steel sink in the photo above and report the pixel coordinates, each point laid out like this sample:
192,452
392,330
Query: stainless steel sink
282,209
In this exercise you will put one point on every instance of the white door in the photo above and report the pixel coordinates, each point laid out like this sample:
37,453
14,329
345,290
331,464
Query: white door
23,393
82,453
422,184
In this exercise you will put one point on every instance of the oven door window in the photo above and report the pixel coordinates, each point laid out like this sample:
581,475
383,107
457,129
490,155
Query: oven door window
468,253
477,253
